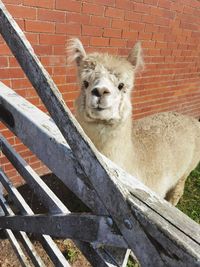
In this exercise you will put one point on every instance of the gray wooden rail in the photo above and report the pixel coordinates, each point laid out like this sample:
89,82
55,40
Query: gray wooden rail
124,213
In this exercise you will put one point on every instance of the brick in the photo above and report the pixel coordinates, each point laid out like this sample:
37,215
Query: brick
142,8
145,36
91,30
104,2
162,21
69,28
40,3
53,60
59,49
100,21
131,35
96,41
43,49
158,37
20,83
7,73
79,18
37,26
3,62
59,70
117,42
137,26
51,39
51,15
165,3
151,2
118,24
114,12
69,5
22,12
148,44
151,28
59,79
112,33
92,9
33,38
20,23
13,2
125,4
189,26
148,19
133,16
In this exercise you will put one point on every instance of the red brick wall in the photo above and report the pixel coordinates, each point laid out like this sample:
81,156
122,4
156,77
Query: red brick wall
170,35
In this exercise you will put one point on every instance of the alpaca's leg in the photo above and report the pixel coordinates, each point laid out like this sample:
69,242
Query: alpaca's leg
174,194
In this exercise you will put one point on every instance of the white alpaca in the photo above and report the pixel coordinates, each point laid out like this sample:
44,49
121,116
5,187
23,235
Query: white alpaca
160,150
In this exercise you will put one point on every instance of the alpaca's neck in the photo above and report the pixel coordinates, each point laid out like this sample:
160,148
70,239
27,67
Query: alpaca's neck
114,141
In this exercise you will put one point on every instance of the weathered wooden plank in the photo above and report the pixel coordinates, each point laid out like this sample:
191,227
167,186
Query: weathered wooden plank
86,227
34,256
176,248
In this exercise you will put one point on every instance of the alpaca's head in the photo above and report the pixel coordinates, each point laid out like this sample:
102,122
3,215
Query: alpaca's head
106,82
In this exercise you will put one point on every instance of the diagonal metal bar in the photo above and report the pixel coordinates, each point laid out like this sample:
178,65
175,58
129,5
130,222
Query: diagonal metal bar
85,152
36,259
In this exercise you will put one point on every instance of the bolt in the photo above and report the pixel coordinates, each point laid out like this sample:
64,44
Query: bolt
128,224
109,222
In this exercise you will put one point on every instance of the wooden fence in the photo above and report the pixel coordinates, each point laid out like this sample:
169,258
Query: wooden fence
124,214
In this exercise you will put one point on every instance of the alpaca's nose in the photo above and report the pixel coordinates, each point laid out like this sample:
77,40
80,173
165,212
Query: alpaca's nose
100,91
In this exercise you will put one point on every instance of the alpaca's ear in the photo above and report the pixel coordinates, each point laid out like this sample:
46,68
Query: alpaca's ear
76,51
136,57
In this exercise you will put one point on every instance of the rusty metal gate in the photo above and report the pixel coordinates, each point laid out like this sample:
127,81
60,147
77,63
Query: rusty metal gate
123,214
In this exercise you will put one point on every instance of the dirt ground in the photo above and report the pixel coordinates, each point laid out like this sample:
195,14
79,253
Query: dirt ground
8,257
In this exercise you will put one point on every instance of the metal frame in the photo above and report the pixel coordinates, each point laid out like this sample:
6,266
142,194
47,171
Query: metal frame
156,232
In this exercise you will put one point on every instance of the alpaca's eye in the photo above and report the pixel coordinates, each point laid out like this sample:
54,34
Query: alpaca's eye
120,86
86,84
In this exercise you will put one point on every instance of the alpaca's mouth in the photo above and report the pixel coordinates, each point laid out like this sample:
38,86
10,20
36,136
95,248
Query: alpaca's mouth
99,109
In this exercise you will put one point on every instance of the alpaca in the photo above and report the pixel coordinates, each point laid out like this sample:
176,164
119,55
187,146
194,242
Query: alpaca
160,150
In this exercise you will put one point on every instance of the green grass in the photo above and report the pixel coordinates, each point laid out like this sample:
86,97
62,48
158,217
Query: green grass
189,203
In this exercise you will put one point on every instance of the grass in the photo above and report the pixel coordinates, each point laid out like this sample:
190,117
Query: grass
189,203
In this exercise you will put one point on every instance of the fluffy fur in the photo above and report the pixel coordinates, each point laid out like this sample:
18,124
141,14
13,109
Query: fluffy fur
160,150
